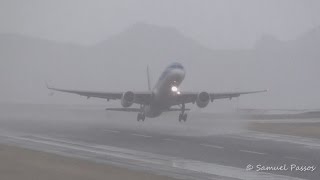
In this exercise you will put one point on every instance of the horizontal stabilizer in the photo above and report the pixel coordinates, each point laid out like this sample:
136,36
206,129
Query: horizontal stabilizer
177,109
138,109
124,109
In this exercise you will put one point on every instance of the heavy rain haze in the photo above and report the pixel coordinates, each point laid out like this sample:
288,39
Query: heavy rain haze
106,46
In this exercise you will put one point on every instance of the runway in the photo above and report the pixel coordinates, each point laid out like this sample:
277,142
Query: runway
202,148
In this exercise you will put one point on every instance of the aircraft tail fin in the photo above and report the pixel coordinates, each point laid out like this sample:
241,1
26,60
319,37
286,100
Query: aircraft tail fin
148,78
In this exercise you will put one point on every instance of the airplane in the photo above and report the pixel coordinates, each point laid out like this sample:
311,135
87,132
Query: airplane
161,97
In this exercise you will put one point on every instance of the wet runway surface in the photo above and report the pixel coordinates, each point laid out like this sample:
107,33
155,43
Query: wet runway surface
205,147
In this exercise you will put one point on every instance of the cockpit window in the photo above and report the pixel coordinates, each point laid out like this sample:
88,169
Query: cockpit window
176,66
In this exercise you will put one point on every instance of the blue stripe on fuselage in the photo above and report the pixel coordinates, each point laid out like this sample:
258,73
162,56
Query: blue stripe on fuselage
169,68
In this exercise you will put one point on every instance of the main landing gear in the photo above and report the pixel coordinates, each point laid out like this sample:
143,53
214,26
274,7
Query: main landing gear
141,117
183,116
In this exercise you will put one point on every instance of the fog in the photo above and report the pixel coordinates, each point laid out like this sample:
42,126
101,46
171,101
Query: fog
99,45
216,24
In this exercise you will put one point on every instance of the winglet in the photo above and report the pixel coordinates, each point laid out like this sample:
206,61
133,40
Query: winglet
48,86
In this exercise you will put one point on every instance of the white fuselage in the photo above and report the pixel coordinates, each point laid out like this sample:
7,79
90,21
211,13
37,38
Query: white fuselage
165,90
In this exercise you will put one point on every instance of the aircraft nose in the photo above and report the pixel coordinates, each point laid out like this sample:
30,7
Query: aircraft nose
180,73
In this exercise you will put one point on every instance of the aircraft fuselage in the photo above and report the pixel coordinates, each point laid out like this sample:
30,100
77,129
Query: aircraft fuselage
165,90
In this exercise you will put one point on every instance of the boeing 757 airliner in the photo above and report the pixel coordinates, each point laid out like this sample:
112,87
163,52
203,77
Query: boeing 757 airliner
161,97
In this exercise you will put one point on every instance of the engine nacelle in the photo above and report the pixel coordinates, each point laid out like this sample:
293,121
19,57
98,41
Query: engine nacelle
127,99
203,99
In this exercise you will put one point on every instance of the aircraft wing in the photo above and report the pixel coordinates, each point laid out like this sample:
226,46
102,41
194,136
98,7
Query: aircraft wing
230,95
140,97
192,97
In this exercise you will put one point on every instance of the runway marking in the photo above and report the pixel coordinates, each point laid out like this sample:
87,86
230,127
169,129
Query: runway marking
212,146
112,131
143,159
295,158
141,135
307,142
252,152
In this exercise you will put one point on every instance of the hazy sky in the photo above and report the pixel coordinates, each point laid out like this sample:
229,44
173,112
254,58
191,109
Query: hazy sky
217,24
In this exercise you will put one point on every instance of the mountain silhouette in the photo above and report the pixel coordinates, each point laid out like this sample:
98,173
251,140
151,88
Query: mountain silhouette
287,68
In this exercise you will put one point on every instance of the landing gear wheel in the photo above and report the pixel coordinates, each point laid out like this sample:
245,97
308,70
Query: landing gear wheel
141,117
184,117
138,117
180,117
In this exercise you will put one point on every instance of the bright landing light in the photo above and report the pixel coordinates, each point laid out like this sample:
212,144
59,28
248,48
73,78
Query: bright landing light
174,89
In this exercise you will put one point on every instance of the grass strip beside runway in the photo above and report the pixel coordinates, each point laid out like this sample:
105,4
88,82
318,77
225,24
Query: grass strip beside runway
18,163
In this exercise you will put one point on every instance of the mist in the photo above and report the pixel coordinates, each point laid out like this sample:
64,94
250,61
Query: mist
106,46
216,24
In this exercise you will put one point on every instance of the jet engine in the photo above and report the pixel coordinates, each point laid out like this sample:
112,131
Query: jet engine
203,99
127,99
